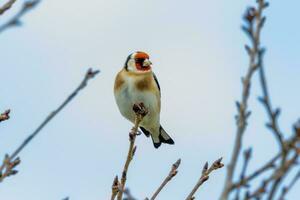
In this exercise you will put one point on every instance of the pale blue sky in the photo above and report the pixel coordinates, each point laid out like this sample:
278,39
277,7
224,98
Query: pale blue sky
198,55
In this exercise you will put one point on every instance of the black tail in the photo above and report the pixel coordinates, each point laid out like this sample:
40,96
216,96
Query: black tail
164,137
159,137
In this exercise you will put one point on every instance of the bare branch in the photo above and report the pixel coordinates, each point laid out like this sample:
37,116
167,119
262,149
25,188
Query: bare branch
205,176
282,170
275,178
273,114
16,19
4,116
128,194
277,175
269,165
254,23
115,188
171,174
247,156
88,76
287,188
258,192
273,124
140,112
6,6
9,166
280,173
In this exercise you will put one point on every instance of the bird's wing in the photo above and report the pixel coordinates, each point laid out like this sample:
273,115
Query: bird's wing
156,81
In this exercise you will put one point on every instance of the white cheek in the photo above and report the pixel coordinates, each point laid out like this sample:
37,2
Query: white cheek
131,65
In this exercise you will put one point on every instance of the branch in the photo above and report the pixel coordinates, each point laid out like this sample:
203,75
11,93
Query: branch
286,165
140,113
273,114
276,177
254,23
6,6
280,173
88,76
9,167
129,196
258,192
115,188
247,156
269,165
204,177
287,188
4,116
16,19
171,174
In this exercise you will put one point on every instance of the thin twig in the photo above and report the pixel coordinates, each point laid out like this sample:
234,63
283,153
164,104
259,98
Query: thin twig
277,175
290,146
128,194
88,76
258,192
273,114
171,174
205,175
280,173
140,112
247,156
254,23
287,188
274,178
6,6
115,188
9,166
16,19
4,116
269,165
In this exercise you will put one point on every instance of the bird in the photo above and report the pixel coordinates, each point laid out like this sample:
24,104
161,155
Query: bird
136,83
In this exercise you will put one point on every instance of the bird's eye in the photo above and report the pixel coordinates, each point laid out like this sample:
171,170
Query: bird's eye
139,60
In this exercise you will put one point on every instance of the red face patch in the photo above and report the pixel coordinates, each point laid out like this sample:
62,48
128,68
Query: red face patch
141,55
139,59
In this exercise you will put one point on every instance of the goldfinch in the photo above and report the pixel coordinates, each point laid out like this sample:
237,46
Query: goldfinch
134,84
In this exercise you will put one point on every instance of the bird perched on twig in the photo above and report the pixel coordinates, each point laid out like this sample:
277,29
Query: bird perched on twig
136,83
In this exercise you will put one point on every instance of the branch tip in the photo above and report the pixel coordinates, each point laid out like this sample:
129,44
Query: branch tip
5,115
205,168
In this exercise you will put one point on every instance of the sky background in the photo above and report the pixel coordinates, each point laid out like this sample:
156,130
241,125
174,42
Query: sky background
197,50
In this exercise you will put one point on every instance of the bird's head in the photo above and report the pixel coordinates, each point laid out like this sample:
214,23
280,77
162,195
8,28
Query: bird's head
138,62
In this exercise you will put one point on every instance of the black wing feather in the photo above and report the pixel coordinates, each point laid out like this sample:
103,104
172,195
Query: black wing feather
156,81
146,132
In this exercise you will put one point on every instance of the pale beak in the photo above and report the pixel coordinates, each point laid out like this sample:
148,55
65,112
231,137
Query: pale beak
147,63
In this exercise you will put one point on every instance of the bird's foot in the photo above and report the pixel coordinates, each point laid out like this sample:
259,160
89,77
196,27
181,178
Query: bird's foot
140,109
